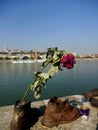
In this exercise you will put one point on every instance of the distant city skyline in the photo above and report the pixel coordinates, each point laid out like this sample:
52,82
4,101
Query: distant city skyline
71,25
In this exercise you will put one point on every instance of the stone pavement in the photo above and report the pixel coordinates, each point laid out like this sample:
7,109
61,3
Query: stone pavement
6,114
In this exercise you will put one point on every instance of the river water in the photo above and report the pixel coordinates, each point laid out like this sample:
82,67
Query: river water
15,78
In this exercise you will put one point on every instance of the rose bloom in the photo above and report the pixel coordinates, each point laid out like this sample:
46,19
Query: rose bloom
68,61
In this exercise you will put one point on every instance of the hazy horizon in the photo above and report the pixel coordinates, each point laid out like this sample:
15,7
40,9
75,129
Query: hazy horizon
39,24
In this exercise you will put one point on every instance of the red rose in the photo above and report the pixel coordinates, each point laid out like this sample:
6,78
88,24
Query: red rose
68,61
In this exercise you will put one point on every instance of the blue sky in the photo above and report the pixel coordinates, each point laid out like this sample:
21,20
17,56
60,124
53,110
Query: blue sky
38,24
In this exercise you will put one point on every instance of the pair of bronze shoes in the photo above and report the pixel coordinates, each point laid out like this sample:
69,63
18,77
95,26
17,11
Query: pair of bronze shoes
56,112
59,112
93,97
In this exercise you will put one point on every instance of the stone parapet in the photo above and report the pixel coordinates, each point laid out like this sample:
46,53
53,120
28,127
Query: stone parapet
6,114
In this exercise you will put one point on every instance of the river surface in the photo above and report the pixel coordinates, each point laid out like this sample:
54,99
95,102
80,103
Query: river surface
16,77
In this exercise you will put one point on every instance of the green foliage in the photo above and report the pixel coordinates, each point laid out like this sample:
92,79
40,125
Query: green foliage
7,58
1,58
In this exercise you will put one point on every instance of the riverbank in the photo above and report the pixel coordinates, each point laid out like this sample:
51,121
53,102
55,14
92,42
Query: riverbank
32,61
6,114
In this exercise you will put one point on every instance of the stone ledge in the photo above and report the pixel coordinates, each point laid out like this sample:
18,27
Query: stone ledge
6,114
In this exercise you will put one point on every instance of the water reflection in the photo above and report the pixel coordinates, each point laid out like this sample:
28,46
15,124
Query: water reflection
14,79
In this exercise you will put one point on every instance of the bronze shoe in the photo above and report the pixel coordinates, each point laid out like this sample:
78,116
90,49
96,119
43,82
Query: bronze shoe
59,112
94,101
93,97
23,116
91,93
